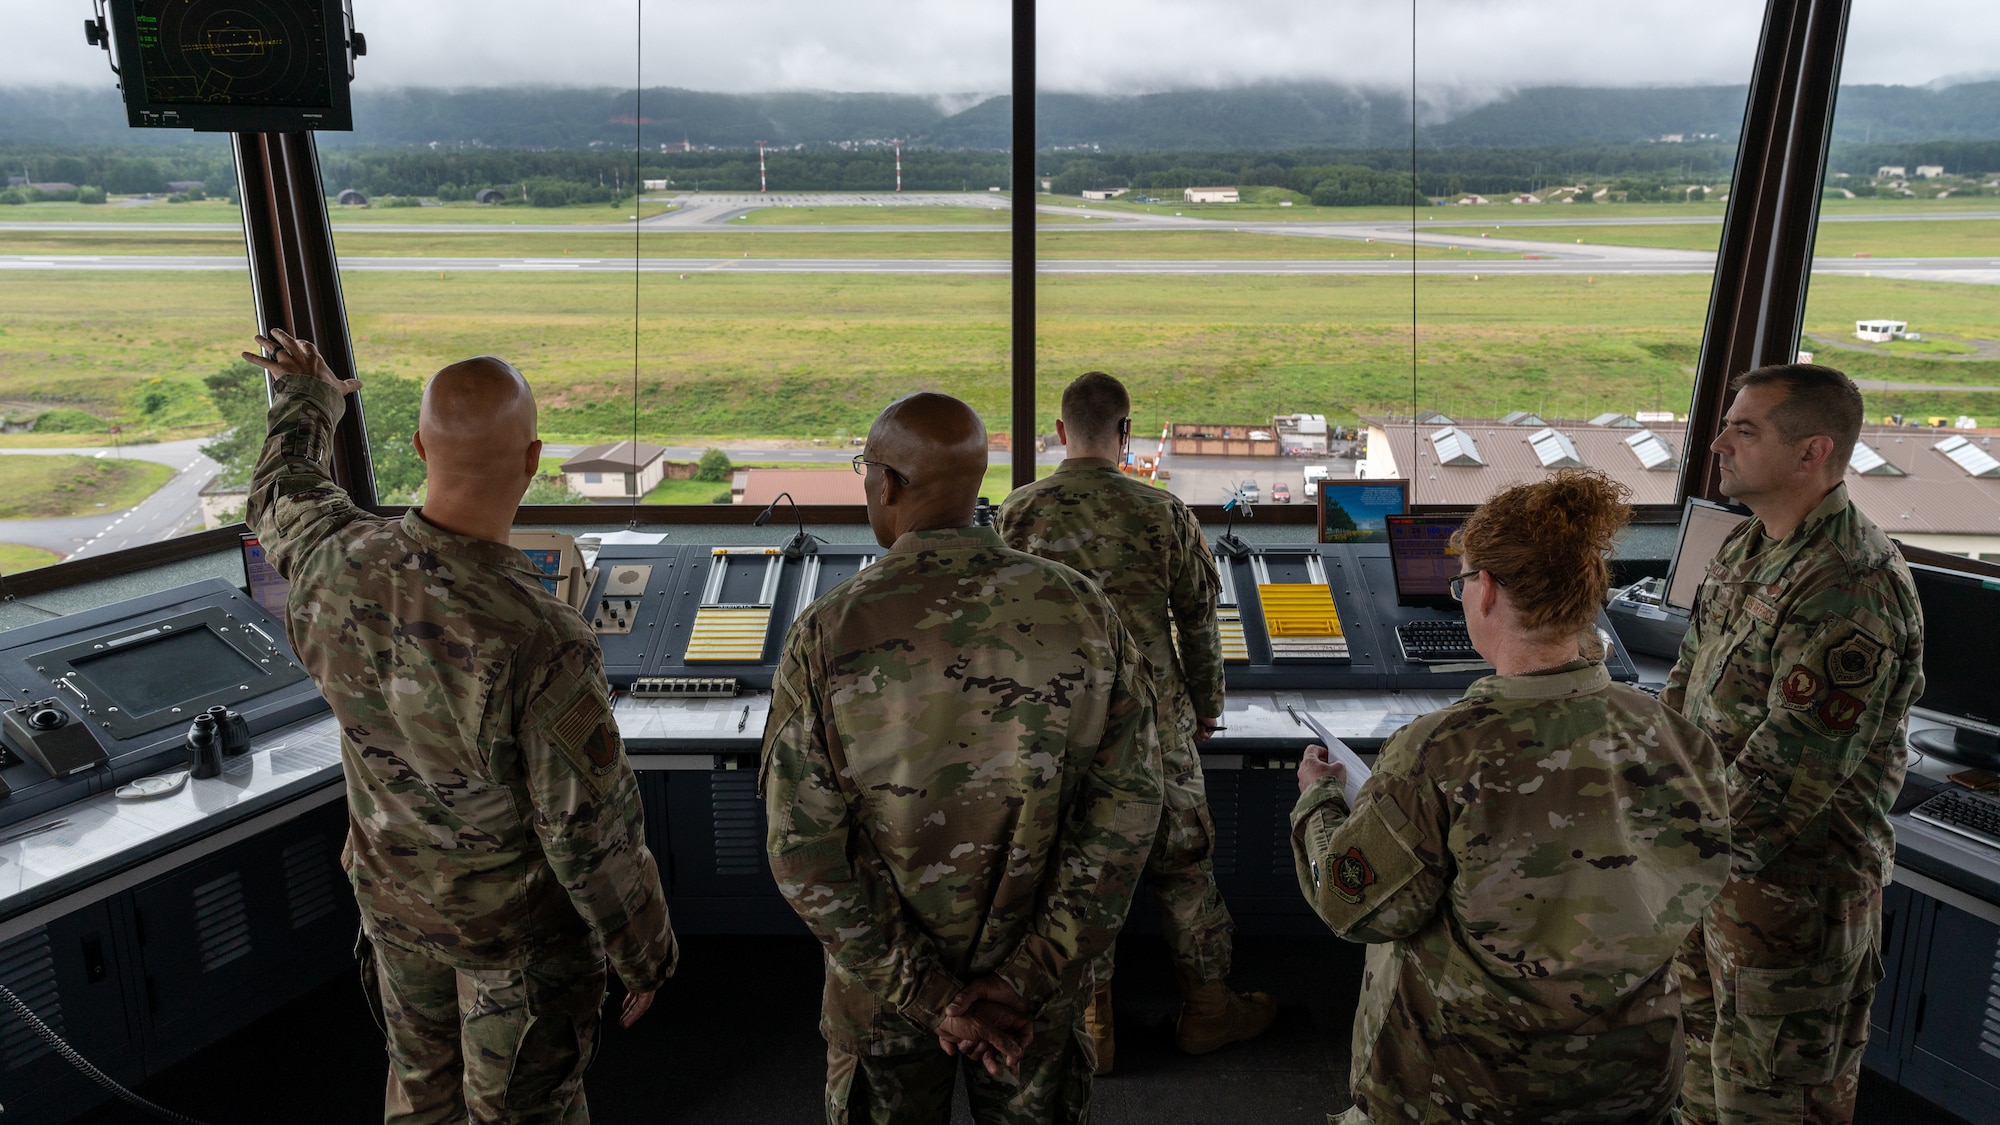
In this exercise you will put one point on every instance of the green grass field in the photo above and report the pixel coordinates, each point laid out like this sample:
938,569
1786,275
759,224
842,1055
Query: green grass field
15,558
52,486
120,210
811,356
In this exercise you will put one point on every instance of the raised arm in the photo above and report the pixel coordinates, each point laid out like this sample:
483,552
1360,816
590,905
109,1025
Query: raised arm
294,503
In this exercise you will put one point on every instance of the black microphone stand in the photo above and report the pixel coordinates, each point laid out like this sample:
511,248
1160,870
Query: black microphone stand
803,543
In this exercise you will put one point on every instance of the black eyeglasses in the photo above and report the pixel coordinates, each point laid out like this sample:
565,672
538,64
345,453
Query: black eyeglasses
861,463
1457,583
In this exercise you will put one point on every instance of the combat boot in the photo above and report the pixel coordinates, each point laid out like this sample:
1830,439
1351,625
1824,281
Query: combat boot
1214,1015
1097,1021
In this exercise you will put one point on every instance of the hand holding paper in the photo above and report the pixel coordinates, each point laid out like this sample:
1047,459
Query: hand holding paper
1355,772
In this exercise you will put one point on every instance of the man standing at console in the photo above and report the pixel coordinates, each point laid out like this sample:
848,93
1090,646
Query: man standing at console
1801,662
495,840
962,781
1145,550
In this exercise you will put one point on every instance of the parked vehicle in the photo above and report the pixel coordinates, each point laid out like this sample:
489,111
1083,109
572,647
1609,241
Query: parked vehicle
1281,493
1248,491
1314,474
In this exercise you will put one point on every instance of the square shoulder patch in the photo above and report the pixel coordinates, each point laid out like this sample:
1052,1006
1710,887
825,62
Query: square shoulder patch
582,731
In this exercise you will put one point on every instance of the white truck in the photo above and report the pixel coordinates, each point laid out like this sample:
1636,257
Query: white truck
1314,474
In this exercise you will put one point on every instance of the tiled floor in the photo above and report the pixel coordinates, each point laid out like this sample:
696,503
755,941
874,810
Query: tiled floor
733,1039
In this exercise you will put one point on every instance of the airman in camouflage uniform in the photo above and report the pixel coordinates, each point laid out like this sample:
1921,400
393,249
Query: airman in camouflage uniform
495,840
1145,550
1801,661
961,778
1523,863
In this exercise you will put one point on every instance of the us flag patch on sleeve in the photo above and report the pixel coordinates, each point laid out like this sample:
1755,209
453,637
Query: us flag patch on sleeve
582,727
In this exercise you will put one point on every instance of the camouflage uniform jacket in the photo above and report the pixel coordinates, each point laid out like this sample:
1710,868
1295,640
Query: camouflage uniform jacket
962,777
1145,550
1532,856
1801,662
493,819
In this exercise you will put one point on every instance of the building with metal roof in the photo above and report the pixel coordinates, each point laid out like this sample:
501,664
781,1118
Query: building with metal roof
621,470
1925,487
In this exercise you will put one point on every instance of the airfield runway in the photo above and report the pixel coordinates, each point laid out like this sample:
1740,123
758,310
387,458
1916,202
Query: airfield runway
712,212
1602,261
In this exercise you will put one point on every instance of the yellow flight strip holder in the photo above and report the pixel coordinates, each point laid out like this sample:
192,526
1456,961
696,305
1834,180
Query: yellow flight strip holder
1301,621
733,634
1229,628
728,634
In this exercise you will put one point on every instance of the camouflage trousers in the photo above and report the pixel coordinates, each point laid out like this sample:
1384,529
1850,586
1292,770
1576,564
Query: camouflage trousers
1180,870
484,1045
1052,1089
1776,984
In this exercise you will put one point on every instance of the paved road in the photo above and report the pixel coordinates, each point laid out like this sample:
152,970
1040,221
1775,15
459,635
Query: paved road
1609,260
174,510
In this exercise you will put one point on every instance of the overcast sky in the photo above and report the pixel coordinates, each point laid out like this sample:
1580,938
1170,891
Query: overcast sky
938,46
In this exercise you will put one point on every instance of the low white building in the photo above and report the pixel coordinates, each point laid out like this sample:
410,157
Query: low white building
1929,171
653,185
1306,432
619,471
1891,172
1107,193
1212,195
1882,331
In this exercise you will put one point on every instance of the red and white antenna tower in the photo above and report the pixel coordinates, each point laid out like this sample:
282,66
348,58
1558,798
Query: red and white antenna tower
763,185
899,166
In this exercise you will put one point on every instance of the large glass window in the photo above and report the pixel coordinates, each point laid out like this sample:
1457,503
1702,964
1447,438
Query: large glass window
123,294
1904,268
1250,260
805,231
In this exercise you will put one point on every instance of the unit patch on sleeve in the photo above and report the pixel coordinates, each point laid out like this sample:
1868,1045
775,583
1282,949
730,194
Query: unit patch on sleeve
1352,875
1854,661
1840,712
1800,687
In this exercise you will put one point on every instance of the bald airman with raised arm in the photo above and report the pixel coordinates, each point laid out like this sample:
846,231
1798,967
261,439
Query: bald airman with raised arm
495,840
962,780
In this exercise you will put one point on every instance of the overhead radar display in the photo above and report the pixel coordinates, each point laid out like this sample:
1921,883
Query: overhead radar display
233,52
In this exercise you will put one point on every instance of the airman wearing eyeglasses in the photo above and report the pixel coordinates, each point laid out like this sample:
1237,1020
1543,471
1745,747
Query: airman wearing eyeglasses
1524,863
962,780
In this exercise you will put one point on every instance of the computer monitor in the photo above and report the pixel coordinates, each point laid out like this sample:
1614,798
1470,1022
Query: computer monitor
1355,511
1423,559
267,587
249,66
1703,528
1961,618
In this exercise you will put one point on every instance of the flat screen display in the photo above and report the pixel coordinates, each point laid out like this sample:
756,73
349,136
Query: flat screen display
1358,511
250,65
1961,620
1423,558
143,676
1703,528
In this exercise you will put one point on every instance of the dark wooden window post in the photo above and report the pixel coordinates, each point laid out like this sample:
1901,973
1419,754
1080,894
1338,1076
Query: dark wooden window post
294,276
1765,261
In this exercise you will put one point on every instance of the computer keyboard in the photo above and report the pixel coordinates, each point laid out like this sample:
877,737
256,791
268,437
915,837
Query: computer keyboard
1436,642
1968,814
